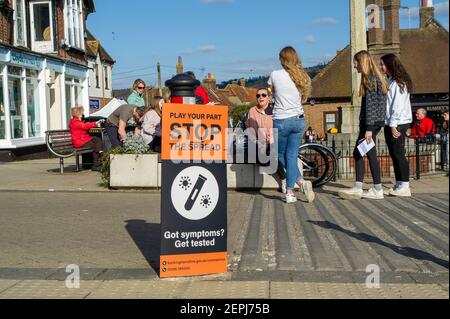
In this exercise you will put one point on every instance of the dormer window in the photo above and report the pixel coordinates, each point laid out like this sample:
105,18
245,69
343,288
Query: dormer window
73,22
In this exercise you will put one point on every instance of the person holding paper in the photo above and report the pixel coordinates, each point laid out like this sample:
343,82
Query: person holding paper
398,121
373,91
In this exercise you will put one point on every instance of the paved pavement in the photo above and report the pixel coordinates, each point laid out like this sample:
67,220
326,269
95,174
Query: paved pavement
276,251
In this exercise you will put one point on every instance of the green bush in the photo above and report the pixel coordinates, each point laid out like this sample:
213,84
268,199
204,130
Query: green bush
238,111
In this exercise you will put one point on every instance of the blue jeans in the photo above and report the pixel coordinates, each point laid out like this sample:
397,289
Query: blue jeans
290,136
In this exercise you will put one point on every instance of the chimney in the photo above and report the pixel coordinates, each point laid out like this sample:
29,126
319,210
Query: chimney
392,26
180,67
426,13
242,82
375,24
210,81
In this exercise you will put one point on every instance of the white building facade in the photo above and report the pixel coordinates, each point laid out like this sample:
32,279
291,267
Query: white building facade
43,68
36,94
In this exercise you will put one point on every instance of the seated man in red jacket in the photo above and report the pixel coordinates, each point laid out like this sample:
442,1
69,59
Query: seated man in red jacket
423,127
81,137
201,96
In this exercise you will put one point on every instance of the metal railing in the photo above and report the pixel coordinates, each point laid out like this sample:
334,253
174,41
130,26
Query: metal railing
424,157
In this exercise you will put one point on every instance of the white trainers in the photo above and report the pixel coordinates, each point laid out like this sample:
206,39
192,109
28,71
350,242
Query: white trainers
351,194
307,189
374,194
401,192
290,199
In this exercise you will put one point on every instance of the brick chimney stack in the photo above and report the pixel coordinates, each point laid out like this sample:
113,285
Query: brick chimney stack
426,13
375,33
392,26
210,81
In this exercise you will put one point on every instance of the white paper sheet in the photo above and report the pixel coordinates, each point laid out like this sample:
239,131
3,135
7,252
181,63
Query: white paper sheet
365,148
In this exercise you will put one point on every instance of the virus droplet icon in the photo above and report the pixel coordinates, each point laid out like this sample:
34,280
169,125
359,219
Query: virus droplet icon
185,183
206,201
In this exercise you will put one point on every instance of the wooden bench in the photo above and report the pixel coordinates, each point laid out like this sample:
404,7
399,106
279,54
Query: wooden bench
60,144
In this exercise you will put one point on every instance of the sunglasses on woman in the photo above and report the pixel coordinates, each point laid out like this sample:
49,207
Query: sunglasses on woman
141,87
258,96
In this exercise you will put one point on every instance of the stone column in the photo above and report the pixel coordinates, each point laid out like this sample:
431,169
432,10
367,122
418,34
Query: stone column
358,36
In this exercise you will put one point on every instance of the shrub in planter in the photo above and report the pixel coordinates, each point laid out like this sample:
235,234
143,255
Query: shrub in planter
134,144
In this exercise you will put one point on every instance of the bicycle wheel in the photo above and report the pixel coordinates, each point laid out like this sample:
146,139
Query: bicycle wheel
318,163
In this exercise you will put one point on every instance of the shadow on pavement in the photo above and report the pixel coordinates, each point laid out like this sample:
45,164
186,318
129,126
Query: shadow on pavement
148,239
405,251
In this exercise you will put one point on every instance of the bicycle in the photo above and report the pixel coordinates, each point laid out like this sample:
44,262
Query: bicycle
317,162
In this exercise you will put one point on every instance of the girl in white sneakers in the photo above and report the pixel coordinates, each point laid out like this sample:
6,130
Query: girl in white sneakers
372,119
398,121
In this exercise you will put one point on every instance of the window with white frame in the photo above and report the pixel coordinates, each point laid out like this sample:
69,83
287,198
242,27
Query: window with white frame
41,21
106,78
2,107
20,30
74,23
97,75
74,96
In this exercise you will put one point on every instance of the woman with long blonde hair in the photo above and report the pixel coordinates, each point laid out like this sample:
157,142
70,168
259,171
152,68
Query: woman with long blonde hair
373,91
291,87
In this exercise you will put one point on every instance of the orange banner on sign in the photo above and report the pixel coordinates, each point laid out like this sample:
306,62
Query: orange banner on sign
194,132
193,265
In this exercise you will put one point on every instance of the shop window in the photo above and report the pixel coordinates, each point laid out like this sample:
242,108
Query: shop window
69,103
33,108
41,26
15,107
2,111
73,22
74,96
20,34
15,71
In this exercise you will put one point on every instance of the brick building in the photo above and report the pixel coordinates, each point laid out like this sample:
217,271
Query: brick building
424,52
43,68
232,95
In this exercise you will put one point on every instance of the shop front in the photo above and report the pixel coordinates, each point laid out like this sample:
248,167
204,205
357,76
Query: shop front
36,95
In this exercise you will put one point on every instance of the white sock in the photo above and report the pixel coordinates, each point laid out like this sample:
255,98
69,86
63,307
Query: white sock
404,185
359,185
379,187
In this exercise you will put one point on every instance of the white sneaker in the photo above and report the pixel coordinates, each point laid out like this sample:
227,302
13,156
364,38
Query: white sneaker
401,192
350,194
374,194
307,189
290,199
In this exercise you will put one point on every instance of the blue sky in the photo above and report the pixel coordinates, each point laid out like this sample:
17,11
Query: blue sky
230,38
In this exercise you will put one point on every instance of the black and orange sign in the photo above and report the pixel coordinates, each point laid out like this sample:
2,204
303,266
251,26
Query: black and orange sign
194,190
194,132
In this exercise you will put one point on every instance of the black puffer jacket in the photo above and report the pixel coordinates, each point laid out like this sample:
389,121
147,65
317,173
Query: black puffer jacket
373,107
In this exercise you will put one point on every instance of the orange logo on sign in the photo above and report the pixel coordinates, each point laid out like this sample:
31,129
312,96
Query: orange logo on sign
193,265
194,132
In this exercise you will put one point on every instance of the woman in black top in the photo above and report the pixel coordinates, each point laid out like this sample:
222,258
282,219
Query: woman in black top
373,91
